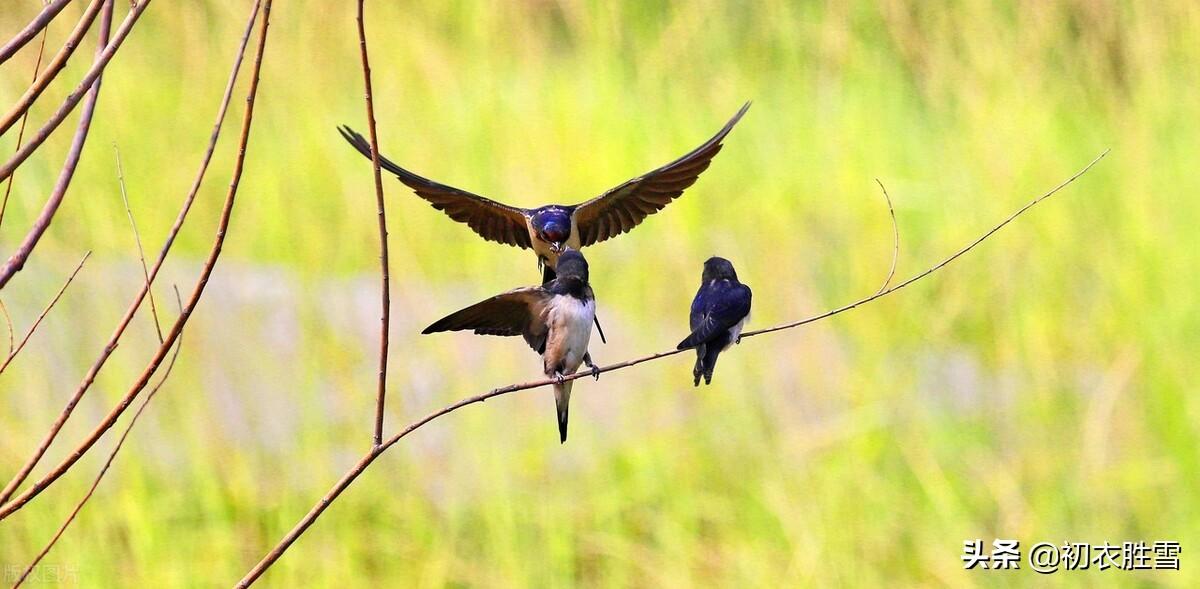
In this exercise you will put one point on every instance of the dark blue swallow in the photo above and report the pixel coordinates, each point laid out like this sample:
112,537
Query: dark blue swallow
551,229
719,311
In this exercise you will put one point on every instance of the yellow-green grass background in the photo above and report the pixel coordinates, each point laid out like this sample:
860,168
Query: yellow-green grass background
1039,389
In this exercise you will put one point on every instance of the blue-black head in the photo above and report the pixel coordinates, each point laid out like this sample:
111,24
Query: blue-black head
571,264
553,225
716,268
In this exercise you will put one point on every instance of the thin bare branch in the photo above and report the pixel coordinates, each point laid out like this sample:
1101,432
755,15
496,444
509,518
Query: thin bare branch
24,119
194,299
112,455
277,551
137,238
11,334
895,239
385,290
38,24
46,311
17,261
73,99
937,266
115,339
55,66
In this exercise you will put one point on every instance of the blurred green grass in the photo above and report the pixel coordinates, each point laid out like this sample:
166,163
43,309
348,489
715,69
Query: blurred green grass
1040,389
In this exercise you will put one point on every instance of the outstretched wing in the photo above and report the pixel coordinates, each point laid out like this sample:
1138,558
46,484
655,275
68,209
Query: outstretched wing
516,312
721,308
623,207
491,220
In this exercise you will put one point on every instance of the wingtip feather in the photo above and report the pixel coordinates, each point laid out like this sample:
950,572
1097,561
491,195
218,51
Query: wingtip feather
737,117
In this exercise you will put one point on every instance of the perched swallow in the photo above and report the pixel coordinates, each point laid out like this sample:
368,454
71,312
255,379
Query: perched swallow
719,311
550,229
555,319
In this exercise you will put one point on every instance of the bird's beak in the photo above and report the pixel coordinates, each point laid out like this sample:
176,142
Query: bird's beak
556,247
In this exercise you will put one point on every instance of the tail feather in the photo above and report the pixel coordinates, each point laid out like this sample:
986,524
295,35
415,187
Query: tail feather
562,400
710,363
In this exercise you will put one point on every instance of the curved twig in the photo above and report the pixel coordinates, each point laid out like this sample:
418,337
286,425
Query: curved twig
194,299
46,311
384,321
38,24
55,66
344,482
112,455
73,99
895,239
115,339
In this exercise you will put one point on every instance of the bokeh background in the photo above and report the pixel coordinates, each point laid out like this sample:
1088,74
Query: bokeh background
1040,389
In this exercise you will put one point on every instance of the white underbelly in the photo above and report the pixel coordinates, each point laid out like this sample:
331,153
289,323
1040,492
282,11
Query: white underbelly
736,331
571,326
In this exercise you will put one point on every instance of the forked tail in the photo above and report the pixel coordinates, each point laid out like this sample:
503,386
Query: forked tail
562,400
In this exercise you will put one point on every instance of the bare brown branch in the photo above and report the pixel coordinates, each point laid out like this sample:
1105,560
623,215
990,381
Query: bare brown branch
277,551
115,339
55,66
937,266
46,311
73,99
194,299
112,455
17,261
385,290
21,130
38,24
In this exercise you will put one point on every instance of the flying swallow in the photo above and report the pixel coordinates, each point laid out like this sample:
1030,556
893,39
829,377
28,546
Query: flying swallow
555,319
550,229
719,311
